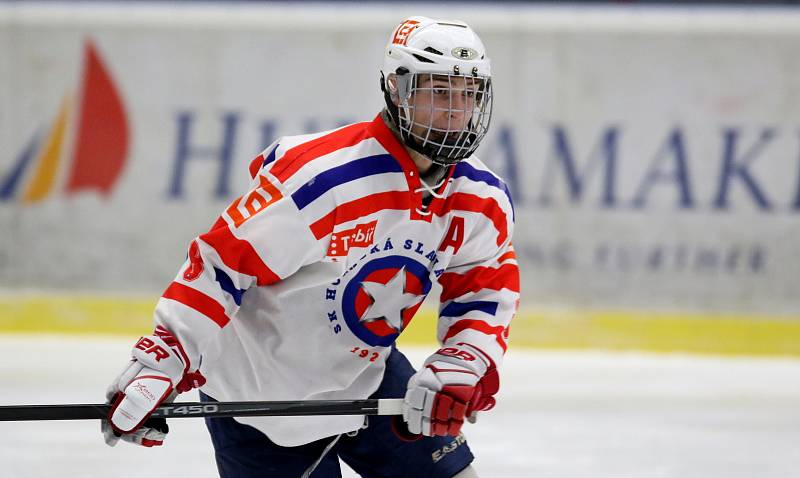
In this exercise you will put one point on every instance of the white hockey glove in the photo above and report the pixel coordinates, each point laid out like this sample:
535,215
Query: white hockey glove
157,373
453,383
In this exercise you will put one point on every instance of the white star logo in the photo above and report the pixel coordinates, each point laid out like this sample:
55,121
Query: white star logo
389,301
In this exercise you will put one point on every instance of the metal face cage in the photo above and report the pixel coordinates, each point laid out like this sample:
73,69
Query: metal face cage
443,116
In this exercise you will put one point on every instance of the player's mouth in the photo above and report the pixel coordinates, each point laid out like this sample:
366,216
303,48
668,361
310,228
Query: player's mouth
449,138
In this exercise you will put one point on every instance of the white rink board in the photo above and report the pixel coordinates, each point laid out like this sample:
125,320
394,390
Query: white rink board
653,153
565,415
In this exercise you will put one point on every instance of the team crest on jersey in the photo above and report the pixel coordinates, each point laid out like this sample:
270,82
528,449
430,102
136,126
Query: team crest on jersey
379,295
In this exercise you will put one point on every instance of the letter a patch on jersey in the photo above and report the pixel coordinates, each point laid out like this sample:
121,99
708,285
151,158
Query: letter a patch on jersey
455,235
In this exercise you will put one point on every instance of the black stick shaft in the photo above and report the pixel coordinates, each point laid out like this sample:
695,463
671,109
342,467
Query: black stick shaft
209,409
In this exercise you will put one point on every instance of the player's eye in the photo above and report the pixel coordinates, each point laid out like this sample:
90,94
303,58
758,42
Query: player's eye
440,91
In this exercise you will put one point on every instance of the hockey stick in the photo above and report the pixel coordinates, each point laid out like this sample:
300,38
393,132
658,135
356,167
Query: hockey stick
384,406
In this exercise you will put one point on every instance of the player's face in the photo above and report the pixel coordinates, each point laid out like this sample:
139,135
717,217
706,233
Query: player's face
444,103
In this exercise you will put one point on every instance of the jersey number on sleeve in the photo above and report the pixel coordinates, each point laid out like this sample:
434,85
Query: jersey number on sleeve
253,202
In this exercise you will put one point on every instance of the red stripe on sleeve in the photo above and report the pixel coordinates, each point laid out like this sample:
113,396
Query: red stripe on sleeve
478,278
480,326
220,222
486,206
359,208
198,301
297,157
239,255
255,165
508,255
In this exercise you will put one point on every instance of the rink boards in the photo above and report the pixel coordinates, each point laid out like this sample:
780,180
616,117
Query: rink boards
566,329
652,154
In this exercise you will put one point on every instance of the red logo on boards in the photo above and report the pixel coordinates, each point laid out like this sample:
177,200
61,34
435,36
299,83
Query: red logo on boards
400,36
360,236
87,145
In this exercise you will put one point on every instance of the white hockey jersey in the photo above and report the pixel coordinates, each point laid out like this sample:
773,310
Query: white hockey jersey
303,284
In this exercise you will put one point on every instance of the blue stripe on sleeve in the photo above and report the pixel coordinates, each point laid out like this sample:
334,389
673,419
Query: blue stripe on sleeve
271,156
226,284
468,171
327,180
458,309
464,169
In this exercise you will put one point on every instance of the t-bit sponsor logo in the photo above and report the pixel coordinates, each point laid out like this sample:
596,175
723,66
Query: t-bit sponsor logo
100,142
360,236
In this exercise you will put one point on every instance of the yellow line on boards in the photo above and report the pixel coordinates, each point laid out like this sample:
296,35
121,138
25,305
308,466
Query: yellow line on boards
76,315
648,331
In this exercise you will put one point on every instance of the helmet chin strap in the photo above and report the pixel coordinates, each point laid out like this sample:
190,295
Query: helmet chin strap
391,109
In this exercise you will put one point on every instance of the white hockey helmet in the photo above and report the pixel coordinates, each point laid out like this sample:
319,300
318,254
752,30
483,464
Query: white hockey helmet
420,50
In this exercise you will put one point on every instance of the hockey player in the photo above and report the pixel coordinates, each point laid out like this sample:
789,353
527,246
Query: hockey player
303,284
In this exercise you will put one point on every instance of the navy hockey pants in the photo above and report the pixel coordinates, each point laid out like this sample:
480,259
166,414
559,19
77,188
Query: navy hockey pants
374,452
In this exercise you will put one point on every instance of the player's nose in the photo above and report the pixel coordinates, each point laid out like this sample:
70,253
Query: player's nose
458,102
458,110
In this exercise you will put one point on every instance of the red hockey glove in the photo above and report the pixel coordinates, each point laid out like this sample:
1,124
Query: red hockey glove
453,383
157,372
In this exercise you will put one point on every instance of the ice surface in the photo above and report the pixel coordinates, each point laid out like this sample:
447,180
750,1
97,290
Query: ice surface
560,414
